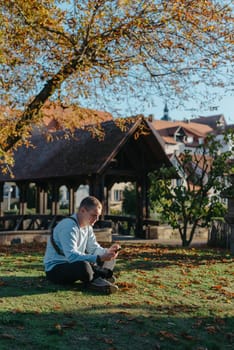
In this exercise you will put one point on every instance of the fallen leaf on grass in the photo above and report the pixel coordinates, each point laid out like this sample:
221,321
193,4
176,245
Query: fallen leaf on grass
108,341
148,302
228,301
121,321
187,336
58,328
7,336
126,305
219,320
141,272
223,291
144,334
210,297
217,287
71,324
126,285
168,335
211,329
17,311
132,318
195,282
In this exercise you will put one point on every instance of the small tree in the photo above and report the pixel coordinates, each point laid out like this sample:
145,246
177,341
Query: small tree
195,199
129,201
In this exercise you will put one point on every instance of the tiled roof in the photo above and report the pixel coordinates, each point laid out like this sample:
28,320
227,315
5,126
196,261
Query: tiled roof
169,128
169,140
85,154
213,121
58,117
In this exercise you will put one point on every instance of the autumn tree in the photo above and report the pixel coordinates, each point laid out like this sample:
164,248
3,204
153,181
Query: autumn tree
195,198
79,49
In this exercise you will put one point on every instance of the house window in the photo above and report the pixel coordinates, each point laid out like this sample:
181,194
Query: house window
118,195
178,182
188,139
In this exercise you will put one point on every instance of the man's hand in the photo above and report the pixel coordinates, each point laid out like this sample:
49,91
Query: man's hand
115,248
111,253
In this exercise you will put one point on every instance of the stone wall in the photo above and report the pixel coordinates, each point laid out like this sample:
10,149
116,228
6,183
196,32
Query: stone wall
167,232
12,237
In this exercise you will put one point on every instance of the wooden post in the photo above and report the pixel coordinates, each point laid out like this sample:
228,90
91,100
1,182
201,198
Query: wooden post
97,190
108,200
1,199
71,199
229,194
23,186
139,211
42,198
54,199
147,201
230,220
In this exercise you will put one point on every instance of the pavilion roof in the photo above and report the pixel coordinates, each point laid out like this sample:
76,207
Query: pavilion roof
84,153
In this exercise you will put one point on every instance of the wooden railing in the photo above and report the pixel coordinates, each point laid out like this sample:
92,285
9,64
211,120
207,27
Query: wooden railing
28,222
127,224
36,222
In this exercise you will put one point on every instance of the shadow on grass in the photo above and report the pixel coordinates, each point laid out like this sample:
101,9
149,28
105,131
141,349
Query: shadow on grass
21,286
115,327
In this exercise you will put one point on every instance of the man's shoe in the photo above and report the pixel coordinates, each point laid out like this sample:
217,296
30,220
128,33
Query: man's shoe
111,279
101,285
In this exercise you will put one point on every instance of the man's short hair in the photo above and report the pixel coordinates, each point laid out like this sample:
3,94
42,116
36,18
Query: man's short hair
90,202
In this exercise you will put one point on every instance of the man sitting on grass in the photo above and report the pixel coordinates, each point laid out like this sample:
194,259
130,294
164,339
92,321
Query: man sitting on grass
73,254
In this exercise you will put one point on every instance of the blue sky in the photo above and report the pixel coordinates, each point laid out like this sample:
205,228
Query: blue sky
206,101
155,106
225,106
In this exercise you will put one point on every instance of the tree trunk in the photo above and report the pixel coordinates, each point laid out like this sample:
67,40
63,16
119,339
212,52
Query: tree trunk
32,110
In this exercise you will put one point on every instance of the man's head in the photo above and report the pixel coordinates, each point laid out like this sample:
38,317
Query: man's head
89,211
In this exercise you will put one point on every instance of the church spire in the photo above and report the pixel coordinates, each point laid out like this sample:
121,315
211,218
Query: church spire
166,113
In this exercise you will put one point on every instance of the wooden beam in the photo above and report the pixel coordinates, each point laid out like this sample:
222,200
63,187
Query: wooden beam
121,172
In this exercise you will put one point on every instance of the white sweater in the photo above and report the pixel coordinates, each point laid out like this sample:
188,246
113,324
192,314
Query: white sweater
77,244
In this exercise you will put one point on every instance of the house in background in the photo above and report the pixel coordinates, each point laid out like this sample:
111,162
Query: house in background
188,134
216,122
179,136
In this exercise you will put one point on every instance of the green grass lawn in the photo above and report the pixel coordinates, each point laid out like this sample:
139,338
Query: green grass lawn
169,298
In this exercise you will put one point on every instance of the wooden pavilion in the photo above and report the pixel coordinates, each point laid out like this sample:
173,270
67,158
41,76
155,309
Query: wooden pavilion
125,151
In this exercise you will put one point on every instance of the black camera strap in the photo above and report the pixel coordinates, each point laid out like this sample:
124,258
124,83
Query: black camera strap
56,248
